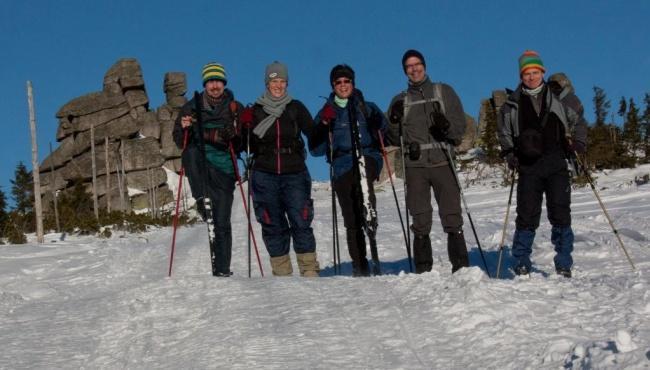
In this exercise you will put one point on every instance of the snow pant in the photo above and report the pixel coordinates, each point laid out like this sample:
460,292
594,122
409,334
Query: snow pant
550,176
419,182
285,210
192,161
220,189
346,188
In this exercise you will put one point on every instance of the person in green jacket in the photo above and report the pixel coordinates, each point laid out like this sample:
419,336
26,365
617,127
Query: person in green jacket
207,159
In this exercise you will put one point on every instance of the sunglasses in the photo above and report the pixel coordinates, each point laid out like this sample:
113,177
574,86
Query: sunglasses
342,81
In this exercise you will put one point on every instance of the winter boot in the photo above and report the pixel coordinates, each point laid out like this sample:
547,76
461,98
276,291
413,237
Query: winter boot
563,272
457,250
308,264
562,239
200,209
361,269
522,247
521,270
281,265
357,249
422,254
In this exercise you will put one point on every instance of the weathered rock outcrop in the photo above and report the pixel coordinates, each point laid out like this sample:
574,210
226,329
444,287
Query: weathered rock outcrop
139,139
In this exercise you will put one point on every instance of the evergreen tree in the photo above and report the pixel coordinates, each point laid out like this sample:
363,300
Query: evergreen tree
598,135
3,214
489,139
601,106
604,150
645,119
76,209
622,108
13,229
22,191
632,129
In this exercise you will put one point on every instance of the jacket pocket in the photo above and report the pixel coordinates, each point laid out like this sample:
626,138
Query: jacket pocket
531,144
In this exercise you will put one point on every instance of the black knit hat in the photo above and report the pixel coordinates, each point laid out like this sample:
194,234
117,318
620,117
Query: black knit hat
341,70
412,53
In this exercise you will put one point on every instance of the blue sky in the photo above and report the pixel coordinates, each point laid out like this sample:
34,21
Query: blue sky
65,48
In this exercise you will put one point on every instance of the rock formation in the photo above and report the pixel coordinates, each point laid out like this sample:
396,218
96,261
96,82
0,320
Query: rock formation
139,139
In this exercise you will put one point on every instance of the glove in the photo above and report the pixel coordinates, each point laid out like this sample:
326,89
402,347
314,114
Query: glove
414,151
374,121
226,133
397,112
513,161
440,127
219,135
577,147
246,118
327,114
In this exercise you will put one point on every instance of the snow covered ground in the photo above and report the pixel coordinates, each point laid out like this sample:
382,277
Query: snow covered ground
89,303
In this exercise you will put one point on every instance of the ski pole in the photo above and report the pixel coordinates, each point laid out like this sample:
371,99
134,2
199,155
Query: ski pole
248,191
243,198
602,206
207,202
462,196
505,223
178,200
402,154
399,212
336,252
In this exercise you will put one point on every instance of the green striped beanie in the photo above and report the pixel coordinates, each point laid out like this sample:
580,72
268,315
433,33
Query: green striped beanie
214,71
530,59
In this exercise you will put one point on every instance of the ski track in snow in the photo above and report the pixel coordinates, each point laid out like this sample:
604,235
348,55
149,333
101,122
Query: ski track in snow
89,303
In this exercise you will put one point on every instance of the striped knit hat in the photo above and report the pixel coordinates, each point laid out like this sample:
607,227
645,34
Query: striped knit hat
214,71
530,59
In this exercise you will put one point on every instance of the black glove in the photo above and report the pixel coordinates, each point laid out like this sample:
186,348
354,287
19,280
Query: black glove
440,127
414,151
219,135
397,112
227,133
513,161
374,121
577,147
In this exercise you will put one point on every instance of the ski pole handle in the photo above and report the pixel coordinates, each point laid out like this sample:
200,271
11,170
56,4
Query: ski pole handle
186,134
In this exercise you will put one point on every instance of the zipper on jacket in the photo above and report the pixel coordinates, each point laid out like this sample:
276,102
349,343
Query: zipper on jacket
277,143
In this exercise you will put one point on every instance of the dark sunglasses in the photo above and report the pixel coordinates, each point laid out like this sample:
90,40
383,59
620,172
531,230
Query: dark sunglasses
342,81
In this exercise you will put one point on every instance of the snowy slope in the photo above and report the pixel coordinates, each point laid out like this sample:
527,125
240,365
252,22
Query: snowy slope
88,303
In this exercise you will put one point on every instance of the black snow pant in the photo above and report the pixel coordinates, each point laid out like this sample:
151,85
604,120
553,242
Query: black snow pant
550,176
345,187
419,182
192,161
220,188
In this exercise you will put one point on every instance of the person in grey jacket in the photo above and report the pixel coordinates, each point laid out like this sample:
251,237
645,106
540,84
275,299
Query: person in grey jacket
538,132
429,117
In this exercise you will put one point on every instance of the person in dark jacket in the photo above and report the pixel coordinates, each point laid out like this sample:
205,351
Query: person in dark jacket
537,132
429,117
207,160
344,104
280,181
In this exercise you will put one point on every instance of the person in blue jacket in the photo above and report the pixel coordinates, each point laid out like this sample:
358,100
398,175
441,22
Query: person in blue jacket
346,103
